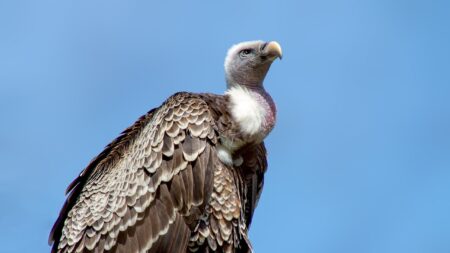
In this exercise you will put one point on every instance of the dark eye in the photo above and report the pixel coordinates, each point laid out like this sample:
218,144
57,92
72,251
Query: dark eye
245,52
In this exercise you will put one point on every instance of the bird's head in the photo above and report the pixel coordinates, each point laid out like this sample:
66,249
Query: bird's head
247,63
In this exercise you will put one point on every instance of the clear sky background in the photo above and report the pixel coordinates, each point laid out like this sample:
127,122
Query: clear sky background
360,157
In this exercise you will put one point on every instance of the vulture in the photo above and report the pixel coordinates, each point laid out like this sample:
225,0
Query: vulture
185,177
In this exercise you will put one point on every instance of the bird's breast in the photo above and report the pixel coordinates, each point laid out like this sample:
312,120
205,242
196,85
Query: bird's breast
253,113
253,110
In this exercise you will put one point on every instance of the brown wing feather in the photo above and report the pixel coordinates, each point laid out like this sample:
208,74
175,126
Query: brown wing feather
109,155
253,169
142,191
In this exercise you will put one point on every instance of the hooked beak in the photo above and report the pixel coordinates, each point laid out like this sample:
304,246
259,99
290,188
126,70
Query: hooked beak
272,50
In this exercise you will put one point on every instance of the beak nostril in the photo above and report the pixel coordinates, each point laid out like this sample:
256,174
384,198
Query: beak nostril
264,46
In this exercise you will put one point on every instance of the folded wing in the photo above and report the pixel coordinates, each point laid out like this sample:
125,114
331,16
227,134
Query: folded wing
146,189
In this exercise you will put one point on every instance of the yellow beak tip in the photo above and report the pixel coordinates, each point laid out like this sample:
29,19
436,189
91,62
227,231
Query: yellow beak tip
275,49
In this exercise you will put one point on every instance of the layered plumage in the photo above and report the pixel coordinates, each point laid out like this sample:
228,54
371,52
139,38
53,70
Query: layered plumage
185,177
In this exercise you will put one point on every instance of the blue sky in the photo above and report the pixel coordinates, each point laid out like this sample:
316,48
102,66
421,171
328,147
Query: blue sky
360,157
